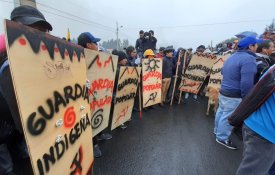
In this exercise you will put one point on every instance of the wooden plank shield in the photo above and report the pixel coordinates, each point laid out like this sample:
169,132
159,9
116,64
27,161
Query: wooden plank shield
49,78
101,71
128,81
216,76
151,81
196,72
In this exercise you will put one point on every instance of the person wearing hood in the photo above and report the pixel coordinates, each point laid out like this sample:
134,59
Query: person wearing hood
263,59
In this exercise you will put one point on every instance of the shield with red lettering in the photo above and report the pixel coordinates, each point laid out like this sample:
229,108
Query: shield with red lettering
101,71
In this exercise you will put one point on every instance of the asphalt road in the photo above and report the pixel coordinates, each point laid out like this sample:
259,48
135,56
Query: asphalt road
175,140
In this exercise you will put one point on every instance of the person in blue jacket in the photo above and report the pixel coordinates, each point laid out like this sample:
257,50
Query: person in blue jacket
259,137
238,79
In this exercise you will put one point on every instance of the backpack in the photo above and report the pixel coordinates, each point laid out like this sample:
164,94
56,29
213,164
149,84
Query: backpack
257,96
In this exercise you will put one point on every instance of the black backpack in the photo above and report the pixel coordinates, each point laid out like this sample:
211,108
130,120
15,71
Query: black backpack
257,96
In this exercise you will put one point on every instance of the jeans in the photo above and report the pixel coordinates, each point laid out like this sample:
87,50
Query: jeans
258,155
227,105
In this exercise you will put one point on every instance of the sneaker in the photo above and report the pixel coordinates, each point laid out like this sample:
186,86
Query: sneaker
123,126
104,136
97,151
227,144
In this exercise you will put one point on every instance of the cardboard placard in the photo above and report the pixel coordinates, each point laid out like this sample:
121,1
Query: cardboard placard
49,78
151,81
216,76
196,72
128,81
101,71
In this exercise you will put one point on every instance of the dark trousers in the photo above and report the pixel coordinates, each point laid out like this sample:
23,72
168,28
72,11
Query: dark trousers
258,154
6,164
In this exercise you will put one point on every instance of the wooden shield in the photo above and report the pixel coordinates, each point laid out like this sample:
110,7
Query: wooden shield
49,78
101,71
196,72
128,81
216,76
151,81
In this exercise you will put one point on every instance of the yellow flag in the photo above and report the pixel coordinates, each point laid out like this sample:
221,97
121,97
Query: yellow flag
68,35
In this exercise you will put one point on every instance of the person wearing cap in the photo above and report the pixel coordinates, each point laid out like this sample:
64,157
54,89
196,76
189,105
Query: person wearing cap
139,44
31,17
238,79
167,72
263,59
88,41
160,54
10,118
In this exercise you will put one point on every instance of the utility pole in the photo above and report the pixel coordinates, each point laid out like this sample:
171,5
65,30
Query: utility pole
25,2
116,35
117,29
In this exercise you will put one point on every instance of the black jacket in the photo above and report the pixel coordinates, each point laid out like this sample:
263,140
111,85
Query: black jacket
139,45
167,67
263,64
149,43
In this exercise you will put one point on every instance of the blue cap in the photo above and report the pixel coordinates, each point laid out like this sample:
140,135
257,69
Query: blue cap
91,37
85,38
249,40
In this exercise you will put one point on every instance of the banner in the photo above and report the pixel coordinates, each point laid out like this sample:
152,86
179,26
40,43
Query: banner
196,72
101,71
128,81
151,81
216,76
49,79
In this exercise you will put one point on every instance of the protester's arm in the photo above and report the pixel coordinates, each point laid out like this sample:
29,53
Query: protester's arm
248,71
9,95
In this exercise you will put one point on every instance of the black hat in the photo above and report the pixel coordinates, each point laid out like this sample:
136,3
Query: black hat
141,32
168,49
161,48
201,47
28,15
121,55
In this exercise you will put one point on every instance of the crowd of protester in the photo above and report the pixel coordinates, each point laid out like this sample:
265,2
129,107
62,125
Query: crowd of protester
250,62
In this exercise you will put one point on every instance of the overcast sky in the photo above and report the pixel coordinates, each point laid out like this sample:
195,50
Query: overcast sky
185,23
